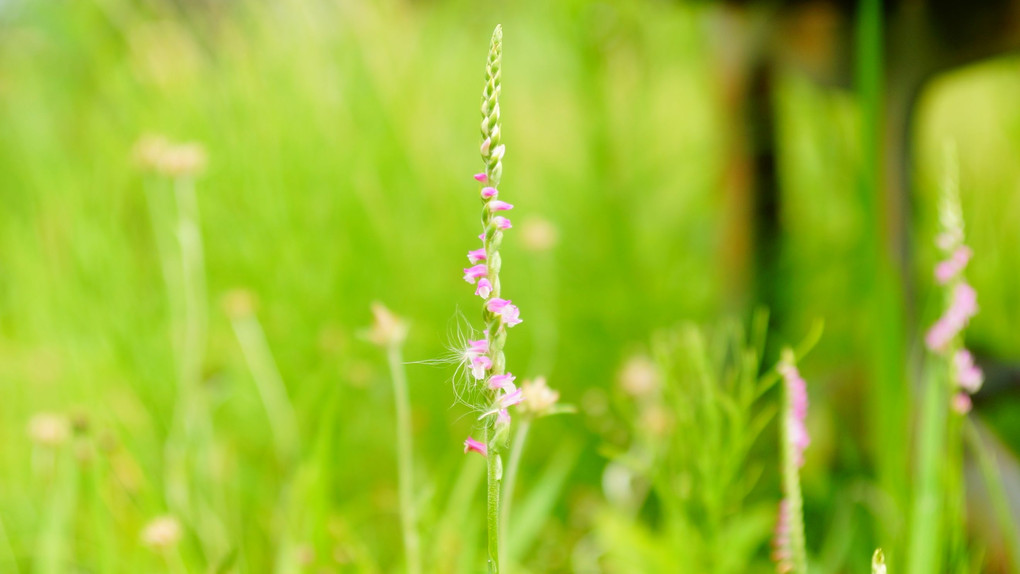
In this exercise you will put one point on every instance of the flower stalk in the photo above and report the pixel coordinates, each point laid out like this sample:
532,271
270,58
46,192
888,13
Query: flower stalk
484,358
788,547
937,508
389,332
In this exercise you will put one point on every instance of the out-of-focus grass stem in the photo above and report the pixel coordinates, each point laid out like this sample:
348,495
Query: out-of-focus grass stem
268,383
512,467
996,491
193,283
494,474
7,558
405,458
924,549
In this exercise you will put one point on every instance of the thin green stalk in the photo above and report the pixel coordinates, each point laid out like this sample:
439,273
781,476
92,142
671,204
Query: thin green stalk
269,385
513,465
924,550
494,467
405,459
794,503
175,562
9,559
996,492
193,280
953,517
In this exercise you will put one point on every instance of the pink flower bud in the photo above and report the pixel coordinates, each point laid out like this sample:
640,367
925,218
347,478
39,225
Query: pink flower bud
476,255
510,399
950,268
961,403
501,381
501,222
479,365
478,347
480,177
502,417
489,192
508,312
967,374
471,274
471,444
499,205
484,288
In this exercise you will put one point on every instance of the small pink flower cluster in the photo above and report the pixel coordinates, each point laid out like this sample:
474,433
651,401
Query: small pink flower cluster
781,553
483,274
962,308
796,415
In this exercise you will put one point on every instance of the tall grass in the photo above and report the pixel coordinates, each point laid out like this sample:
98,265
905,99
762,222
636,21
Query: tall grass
335,136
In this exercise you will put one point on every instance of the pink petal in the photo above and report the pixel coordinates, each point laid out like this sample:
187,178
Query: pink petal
471,444
484,288
501,381
476,255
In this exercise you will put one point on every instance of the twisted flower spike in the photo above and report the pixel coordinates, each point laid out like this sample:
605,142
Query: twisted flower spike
487,362
944,337
788,545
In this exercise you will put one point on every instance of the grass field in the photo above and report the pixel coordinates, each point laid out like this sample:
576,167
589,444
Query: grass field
206,361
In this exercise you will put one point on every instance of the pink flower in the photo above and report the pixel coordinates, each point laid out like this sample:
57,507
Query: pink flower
508,312
479,365
471,444
949,239
481,177
484,288
478,347
502,417
501,381
489,192
961,403
476,255
967,374
501,222
950,268
962,307
471,274
499,205
796,418
510,399
781,552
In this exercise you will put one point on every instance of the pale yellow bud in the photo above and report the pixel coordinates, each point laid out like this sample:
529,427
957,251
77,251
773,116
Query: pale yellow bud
161,533
49,429
239,303
639,376
388,329
538,397
539,234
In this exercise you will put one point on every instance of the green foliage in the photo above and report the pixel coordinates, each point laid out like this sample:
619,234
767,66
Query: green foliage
691,462
340,140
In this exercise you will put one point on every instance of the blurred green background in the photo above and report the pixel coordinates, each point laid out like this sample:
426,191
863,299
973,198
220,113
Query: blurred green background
341,137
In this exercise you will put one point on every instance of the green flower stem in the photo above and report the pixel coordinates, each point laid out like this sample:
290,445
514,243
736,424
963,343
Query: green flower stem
270,386
794,502
405,459
996,489
513,465
492,154
194,286
494,467
924,549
